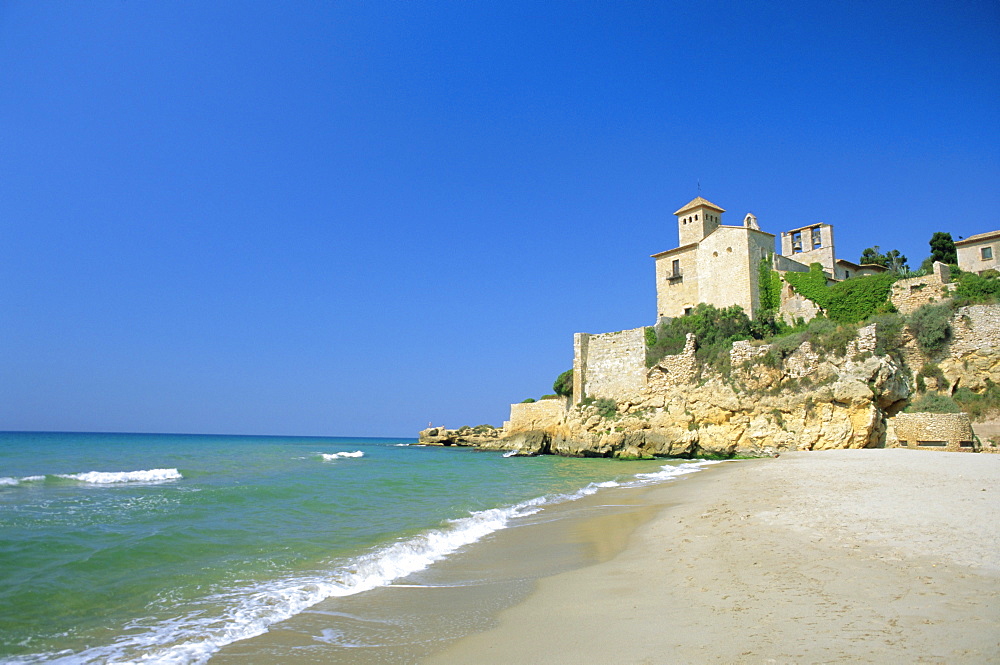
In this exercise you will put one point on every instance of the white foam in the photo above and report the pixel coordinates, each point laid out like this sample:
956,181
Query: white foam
332,456
192,638
249,611
400,445
11,482
115,477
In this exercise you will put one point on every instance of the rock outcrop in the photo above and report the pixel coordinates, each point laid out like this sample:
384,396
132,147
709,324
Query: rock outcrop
765,402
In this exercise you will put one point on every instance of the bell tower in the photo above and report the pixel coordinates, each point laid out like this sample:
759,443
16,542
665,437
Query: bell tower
696,220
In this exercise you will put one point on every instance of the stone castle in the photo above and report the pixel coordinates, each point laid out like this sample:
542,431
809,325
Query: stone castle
798,400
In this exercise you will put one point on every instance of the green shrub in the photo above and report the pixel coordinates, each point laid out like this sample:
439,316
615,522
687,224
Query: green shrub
888,332
976,289
564,384
482,429
933,403
530,400
931,326
932,371
549,397
607,408
979,406
768,285
714,329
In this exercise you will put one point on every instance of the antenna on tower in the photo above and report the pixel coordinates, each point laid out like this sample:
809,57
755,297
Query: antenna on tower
699,186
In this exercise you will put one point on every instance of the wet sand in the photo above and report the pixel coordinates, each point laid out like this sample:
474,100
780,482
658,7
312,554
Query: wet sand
861,556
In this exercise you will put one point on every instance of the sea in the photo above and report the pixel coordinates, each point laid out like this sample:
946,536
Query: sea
168,548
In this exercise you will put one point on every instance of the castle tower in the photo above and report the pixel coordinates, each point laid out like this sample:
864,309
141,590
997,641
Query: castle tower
696,220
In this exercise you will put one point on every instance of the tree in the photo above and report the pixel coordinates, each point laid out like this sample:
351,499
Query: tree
892,259
564,384
943,248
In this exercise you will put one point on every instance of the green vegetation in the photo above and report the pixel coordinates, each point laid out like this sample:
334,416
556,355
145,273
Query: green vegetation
976,289
769,285
850,301
943,248
933,403
931,371
607,408
825,337
892,259
564,384
715,331
549,397
888,332
931,326
530,400
979,406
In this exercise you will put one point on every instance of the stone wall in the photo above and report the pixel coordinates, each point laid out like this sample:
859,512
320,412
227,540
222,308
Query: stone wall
675,293
536,415
910,294
675,370
934,431
611,365
744,350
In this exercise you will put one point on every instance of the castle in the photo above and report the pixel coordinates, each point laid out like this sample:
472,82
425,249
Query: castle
719,264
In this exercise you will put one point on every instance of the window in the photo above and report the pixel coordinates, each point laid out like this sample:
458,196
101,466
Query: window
676,266
847,274
987,253
696,218
817,239
687,310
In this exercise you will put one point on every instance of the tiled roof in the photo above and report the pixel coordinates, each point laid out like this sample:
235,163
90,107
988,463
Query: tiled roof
978,237
696,202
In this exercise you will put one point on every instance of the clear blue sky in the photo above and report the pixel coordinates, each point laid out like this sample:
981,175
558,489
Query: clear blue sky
352,218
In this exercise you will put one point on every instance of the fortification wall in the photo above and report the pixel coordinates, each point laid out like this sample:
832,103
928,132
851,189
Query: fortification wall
934,431
536,415
910,294
676,370
611,365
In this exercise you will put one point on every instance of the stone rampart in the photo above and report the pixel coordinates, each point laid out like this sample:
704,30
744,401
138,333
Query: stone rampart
611,365
934,431
910,294
527,416
675,370
744,350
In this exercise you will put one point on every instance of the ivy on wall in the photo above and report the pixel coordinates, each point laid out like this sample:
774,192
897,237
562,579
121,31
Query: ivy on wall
768,285
850,301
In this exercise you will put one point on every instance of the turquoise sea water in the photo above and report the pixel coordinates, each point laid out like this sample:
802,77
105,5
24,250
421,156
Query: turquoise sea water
165,548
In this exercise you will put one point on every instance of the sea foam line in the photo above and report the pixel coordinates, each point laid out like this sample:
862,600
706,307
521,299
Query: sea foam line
192,638
115,477
332,456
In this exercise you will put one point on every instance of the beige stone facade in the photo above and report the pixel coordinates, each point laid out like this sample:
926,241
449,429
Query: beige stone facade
950,432
609,365
910,294
527,416
714,264
979,253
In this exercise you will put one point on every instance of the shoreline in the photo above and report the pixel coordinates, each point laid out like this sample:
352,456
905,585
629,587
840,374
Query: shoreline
872,555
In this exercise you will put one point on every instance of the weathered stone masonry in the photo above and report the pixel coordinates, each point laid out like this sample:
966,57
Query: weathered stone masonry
609,365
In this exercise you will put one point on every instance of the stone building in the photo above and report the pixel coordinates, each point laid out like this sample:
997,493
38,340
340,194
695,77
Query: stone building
979,253
714,264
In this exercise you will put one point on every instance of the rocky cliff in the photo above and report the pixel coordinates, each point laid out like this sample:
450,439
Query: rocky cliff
765,401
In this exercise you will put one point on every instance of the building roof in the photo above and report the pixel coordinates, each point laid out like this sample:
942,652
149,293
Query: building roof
869,266
979,237
697,202
675,249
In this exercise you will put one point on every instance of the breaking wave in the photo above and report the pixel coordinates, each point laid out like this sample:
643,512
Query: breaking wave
115,477
332,456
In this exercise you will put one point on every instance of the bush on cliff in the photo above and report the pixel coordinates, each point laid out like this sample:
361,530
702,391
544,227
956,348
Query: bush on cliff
982,405
714,329
564,384
931,326
976,289
933,403
888,332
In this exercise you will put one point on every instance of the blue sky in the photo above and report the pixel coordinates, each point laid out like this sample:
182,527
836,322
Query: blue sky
353,218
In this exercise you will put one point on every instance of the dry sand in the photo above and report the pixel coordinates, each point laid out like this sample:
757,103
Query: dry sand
863,556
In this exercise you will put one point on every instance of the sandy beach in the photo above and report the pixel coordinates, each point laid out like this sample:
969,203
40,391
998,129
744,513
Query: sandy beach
868,556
